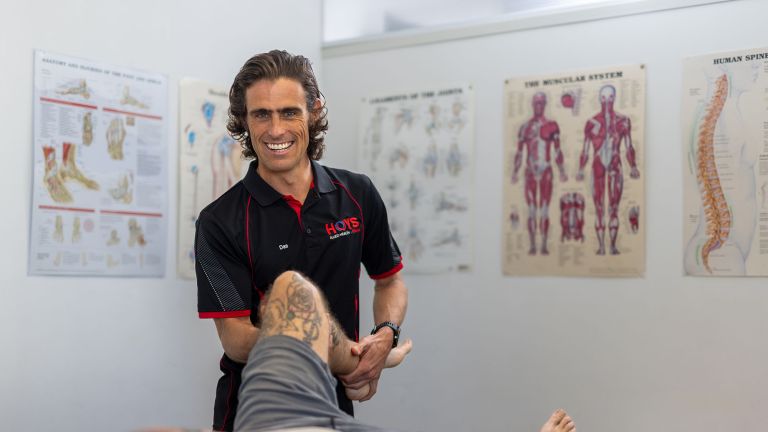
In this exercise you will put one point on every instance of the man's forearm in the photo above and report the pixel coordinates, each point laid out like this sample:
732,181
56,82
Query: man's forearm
238,336
390,300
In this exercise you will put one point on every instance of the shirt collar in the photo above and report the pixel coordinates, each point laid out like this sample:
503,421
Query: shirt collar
266,195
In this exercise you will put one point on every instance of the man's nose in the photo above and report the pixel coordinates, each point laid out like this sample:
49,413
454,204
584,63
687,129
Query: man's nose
276,127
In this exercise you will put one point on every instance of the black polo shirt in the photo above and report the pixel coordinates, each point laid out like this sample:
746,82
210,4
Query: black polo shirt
252,233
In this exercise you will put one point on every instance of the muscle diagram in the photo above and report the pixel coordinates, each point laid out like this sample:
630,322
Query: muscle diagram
539,138
130,100
71,171
604,133
225,164
716,212
115,138
135,233
54,182
572,217
87,129
81,89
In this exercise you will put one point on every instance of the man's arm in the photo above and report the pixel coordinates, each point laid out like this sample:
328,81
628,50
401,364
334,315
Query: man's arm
390,302
238,336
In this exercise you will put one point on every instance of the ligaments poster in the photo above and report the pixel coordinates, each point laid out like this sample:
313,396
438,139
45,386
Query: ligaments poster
100,160
725,145
417,149
573,179
210,160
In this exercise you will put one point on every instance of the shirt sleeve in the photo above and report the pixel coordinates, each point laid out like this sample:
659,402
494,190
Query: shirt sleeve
223,275
381,255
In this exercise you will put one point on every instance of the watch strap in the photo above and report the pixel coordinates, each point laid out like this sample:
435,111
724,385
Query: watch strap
395,331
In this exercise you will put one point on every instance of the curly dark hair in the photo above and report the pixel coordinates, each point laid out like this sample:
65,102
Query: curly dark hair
271,66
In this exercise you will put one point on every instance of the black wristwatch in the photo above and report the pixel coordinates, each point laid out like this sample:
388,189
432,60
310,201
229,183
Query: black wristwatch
395,329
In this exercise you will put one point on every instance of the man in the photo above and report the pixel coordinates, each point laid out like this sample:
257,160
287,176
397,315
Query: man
288,380
291,213
605,131
538,136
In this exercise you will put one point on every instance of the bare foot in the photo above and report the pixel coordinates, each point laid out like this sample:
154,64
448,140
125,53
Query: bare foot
560,421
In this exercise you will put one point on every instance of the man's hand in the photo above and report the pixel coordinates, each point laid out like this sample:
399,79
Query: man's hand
395,357
374,350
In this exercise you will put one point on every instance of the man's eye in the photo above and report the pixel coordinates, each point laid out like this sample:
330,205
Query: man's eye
290,114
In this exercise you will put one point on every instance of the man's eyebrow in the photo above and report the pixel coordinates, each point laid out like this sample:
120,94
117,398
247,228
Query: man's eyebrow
279,110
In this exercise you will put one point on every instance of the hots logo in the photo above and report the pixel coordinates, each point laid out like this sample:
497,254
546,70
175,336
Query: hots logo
343,227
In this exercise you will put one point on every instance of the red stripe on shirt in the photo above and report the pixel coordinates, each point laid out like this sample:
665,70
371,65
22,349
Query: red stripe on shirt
226,314
394,270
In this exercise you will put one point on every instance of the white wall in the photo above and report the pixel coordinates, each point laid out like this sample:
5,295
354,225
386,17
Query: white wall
107,354
493,353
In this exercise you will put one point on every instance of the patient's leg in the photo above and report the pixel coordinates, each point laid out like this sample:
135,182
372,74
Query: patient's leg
295,307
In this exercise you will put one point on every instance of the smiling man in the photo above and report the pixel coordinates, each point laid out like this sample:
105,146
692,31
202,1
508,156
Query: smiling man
291,213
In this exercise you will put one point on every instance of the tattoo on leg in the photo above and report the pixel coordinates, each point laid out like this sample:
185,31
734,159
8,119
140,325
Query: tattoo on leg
297,313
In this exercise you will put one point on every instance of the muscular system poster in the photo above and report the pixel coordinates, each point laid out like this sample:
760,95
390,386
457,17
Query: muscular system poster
574,201
417,147
210,160
99,196
725,149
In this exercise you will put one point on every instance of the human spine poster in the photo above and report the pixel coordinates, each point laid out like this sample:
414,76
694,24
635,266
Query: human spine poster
99,197
417,147
725,149
210,160
573,201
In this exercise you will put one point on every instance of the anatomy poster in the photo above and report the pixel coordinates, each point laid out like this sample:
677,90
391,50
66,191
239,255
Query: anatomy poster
573,174
99,196
725,171
417,147
210,160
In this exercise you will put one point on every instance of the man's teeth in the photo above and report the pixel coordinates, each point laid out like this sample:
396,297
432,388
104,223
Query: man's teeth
279,146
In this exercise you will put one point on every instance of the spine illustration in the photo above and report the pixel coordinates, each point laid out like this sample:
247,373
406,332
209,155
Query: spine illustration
718,217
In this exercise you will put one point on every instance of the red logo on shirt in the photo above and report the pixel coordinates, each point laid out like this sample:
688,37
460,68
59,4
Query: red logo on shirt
342,227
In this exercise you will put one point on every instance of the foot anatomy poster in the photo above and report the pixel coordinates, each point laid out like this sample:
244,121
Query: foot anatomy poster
725,149
573,185
99,197
417,147
210,160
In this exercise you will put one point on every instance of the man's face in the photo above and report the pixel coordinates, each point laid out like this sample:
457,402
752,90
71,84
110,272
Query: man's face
278,125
